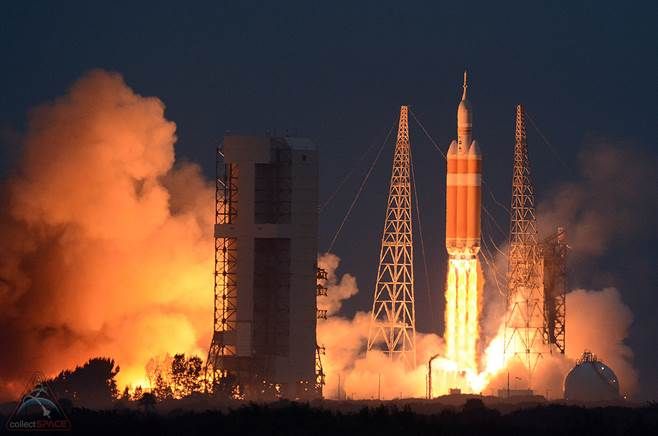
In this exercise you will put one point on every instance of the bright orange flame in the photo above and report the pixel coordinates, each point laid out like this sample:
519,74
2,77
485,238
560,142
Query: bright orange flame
462,332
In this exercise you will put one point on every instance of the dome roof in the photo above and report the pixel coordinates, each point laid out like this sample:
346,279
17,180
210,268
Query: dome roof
591,380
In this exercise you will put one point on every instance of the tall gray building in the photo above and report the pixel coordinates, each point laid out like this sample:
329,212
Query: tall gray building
266,242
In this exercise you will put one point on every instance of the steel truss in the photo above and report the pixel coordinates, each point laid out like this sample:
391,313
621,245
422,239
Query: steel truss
524,326
393,322
226,286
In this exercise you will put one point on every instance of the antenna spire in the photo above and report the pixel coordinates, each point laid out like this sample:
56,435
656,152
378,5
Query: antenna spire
465,85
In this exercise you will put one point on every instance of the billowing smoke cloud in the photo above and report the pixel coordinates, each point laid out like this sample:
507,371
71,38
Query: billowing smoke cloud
607,208
337,289
608,211
107,246
351,373
599,321
613,203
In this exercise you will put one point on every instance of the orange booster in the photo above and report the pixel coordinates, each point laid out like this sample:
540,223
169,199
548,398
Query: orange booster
451,199
473,198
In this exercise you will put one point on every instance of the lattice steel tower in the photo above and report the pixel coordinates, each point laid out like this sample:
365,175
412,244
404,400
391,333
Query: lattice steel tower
554,254
393,322
525,293
226,272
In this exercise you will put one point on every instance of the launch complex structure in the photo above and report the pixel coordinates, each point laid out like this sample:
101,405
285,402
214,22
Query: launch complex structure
266,226
536,276
536,286
267,283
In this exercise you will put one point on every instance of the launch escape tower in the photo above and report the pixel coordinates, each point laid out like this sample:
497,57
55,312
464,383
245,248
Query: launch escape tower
524,326
266,230
393,320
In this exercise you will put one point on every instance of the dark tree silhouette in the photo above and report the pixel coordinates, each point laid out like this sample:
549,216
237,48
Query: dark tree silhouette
225,388
473,405
178,375
162,389
186,375
291,419
192,379
147,402
137,393
91,385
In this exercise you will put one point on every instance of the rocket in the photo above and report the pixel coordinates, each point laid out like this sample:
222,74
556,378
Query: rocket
463,187
463,241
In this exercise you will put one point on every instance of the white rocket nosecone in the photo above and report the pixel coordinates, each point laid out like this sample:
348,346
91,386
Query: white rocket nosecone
463,186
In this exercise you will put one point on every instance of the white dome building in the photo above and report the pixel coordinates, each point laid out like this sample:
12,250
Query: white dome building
591,380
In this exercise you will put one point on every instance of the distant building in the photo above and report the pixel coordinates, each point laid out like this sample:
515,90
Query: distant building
266,241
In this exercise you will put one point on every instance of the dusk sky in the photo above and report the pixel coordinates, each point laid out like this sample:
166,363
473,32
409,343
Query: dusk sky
338,73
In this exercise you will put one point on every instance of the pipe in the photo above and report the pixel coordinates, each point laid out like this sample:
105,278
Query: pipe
429,376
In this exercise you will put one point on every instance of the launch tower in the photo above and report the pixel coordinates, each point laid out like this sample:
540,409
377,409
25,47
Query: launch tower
264,339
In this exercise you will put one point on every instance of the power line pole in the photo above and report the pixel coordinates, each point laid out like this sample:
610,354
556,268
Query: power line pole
379,386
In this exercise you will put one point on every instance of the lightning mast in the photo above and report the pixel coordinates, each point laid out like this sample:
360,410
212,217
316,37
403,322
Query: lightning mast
524,332
393,321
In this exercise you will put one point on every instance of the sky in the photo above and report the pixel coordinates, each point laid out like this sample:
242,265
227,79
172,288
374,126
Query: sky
337,72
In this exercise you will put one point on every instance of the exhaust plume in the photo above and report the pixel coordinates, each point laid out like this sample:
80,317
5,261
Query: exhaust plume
602,212
107,245
350,372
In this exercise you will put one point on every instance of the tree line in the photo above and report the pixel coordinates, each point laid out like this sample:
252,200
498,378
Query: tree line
93,384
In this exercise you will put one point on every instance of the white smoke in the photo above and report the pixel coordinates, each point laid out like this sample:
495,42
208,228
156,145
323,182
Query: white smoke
352,373
606,209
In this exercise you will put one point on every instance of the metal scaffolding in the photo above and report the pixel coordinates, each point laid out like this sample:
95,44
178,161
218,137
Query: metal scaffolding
554,251
225,288
524,326
393,322
321,291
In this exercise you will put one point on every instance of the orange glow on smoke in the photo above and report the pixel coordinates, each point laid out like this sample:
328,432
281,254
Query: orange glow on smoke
110,251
